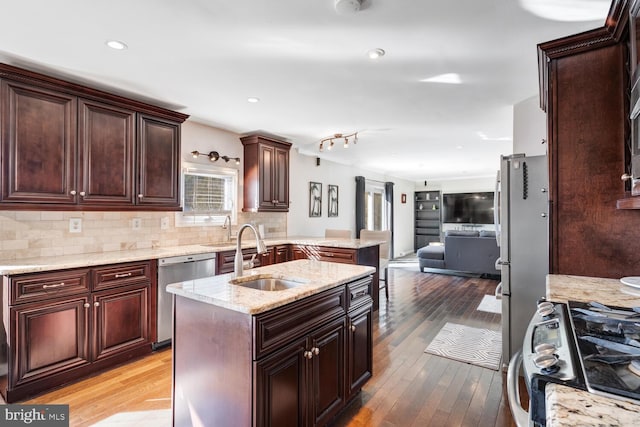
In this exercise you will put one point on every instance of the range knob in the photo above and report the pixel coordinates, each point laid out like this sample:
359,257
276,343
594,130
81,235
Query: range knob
544,348
546,308
545,361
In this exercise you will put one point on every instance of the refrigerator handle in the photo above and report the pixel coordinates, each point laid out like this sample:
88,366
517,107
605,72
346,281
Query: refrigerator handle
496,208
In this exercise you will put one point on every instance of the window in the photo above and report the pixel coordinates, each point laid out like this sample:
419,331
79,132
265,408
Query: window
209,195
375,215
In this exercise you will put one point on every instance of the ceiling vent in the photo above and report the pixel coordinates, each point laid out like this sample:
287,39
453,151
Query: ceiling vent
348,7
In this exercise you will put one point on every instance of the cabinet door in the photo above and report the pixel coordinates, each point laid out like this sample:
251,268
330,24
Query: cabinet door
359,352
121,320
49,338
266,167
281,179
281,254
158,162
281,388
327,394
38,145
106,136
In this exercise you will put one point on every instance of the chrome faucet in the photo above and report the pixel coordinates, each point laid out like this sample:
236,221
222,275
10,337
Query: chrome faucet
227,226
260,246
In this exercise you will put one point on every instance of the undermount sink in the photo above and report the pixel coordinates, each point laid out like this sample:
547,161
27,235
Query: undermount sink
267,283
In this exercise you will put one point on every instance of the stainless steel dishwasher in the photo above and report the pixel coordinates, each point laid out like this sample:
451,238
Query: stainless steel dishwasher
172,270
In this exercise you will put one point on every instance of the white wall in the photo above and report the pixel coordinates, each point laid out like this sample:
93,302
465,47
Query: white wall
529,127
304,169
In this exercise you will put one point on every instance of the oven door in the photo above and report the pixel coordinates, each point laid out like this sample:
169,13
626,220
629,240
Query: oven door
520,416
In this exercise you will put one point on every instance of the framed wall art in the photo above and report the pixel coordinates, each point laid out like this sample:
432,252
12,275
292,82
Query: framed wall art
315,199
332,197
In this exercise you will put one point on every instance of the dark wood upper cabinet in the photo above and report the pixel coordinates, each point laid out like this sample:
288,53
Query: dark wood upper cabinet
266,174
585,82
106,137
38,145
158,161
67,146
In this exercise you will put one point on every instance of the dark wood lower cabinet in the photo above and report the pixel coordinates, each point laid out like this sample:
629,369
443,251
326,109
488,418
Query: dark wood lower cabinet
281,387
360,342
121,320
49,338
60,329
308,359
327,372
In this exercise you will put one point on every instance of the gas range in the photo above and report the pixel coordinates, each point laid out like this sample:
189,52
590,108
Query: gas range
588,346
608,343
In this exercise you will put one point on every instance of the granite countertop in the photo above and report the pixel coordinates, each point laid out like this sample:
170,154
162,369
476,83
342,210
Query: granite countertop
568,406
32,265
315,276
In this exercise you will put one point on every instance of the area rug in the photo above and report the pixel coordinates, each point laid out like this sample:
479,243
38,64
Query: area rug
491,304
476,346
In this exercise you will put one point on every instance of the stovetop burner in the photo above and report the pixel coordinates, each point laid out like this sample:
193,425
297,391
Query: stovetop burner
608,341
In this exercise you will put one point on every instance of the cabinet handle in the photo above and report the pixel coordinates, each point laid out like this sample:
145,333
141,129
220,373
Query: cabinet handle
353,328
59,285
543,215
315,351
120,276
87,305
140,196
96,304
73,192
626,177
82,193
308,355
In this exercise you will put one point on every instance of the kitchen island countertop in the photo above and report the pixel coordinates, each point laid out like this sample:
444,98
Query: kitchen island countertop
314,277
32,265
567,406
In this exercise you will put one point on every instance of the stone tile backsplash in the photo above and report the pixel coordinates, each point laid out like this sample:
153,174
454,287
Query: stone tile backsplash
29,234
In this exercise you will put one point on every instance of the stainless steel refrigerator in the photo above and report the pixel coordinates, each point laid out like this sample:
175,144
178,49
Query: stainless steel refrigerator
523,235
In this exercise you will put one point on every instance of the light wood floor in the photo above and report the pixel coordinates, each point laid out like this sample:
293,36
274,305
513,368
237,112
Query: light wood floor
409,387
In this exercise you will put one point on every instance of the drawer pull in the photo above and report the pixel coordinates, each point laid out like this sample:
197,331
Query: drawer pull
96,304
59,285
315,351
87,305
120,276
308,355
353,328
360,293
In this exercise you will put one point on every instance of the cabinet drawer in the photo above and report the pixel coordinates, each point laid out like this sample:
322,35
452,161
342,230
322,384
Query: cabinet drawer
275,328
120,274
359,292
42,286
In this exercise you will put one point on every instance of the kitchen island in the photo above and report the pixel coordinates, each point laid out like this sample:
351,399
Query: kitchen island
295,356
566,406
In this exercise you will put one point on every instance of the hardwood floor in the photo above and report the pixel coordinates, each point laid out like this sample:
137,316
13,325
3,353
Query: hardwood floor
409,387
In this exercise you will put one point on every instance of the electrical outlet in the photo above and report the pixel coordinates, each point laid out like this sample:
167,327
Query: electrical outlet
75,225
164,223
136,223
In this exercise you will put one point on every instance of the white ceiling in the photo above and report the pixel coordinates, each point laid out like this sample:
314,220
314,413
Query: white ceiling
310,69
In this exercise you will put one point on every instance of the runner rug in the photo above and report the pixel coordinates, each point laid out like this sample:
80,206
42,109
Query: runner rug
482,347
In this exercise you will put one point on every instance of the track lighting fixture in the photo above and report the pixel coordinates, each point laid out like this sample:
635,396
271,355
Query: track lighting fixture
331,140
214,156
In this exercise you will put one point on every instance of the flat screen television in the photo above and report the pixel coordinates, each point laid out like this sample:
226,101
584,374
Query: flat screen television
468,208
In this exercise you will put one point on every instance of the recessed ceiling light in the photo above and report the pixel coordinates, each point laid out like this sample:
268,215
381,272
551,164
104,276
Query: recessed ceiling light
459,147
116,44
376,53
448,78
253,99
